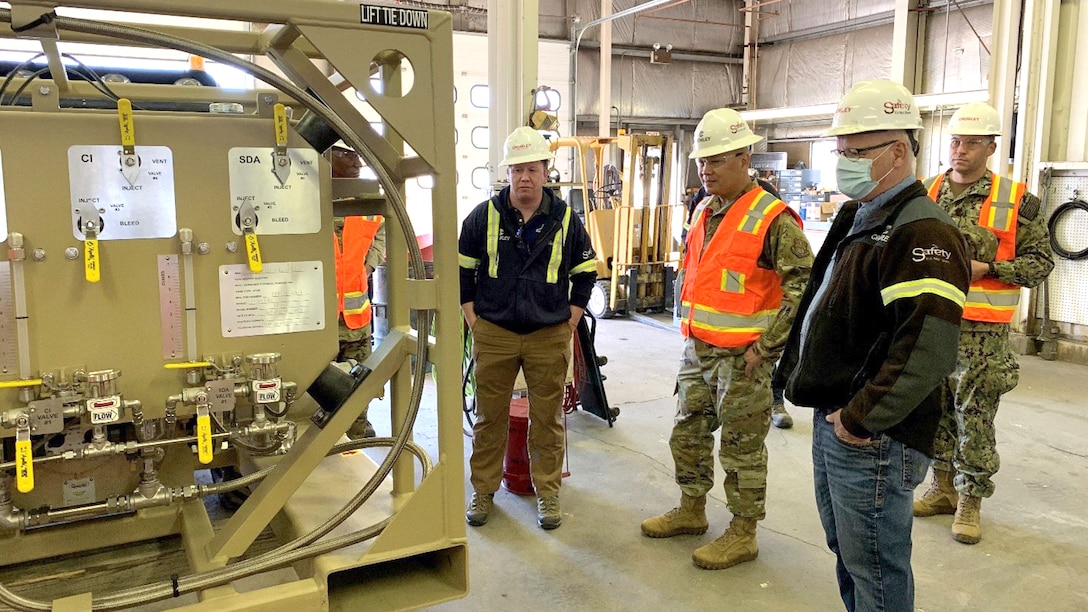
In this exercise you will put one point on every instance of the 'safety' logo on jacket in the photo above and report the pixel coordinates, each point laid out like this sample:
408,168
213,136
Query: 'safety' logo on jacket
933,252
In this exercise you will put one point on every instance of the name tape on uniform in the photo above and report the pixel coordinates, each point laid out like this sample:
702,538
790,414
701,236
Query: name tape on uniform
393,16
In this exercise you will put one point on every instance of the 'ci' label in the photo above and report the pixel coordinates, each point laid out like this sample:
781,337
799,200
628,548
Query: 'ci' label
393,16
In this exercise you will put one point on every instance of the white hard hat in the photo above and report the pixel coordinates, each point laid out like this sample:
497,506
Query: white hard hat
720,131
975,119
525,145
875,106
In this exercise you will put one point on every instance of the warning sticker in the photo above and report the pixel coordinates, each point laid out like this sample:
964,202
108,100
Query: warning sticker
393,16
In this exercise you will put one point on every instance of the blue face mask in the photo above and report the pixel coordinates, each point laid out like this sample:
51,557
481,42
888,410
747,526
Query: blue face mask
854,176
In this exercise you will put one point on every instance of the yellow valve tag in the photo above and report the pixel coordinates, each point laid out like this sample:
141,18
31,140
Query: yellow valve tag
24,465
187,365
91,264
280,115
204,437
128,129
16,384
253,253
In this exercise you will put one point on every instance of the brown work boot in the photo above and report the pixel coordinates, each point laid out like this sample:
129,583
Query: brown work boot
479,508
737,545
548,514
966,528
940,498
361,429
690,517
780,418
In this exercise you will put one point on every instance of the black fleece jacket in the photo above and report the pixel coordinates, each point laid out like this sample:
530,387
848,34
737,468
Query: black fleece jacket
884,333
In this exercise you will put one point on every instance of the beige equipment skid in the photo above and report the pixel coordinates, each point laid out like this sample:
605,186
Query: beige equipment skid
168,304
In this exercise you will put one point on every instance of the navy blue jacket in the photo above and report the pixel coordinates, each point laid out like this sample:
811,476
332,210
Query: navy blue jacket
525,283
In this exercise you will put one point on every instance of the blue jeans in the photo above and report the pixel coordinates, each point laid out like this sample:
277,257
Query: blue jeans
865,497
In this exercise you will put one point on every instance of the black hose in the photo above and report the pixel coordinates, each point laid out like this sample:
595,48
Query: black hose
1051,225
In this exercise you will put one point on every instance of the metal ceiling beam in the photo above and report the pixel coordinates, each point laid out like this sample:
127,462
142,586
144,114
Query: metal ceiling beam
637,51
860,23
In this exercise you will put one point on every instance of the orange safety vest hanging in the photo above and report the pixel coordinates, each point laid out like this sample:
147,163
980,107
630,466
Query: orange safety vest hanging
352,299
990,300
726,299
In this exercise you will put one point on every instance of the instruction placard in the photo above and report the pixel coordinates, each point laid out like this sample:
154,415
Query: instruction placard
283,298
291,207
145,208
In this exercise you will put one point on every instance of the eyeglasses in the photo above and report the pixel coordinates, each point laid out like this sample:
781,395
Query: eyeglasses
703,162
969,143
857,153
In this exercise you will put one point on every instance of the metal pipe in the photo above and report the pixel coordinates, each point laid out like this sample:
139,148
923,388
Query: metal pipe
576,40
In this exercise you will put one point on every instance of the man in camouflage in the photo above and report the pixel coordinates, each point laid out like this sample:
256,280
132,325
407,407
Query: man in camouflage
1008,251
355,344
745,268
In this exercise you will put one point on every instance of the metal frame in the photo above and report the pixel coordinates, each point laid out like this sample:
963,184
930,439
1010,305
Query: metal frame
423,541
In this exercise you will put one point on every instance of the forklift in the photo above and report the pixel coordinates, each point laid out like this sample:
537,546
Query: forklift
624,197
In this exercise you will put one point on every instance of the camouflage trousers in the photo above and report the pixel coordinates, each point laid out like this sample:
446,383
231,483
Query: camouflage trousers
966,442
713,392
354,344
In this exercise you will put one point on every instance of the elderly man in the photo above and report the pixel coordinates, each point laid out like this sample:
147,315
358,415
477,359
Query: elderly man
746,263
874,339
527,269
1010,249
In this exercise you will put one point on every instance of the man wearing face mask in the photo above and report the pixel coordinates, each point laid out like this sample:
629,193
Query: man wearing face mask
874,339
746,263
1010,248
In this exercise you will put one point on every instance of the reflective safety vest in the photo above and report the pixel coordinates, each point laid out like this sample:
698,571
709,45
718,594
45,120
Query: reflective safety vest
353,302
990,300
726,299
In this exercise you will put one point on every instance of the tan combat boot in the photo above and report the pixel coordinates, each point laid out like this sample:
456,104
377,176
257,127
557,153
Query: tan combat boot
737,545
690,517
940,498
966,528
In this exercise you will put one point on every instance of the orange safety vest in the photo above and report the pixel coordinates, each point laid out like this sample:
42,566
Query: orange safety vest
727,300
988,299
352,299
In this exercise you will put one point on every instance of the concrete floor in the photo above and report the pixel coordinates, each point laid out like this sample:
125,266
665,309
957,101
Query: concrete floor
1033,556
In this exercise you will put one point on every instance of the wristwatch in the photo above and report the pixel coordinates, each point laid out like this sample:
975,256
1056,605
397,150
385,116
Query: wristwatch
992,271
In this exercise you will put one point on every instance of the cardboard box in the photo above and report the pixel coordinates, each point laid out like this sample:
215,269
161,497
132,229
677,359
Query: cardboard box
828,210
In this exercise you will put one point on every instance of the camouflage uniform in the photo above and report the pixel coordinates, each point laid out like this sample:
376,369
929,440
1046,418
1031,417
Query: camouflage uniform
987,366
356,343
714,392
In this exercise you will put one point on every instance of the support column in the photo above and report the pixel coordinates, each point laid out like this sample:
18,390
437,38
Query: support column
1004,47
513,30
905,45
750,77
1037,89
604,100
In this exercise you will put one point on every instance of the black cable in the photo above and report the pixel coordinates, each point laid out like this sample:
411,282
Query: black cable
13,72
87,73
26,83
1052,224
97,81
30,79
